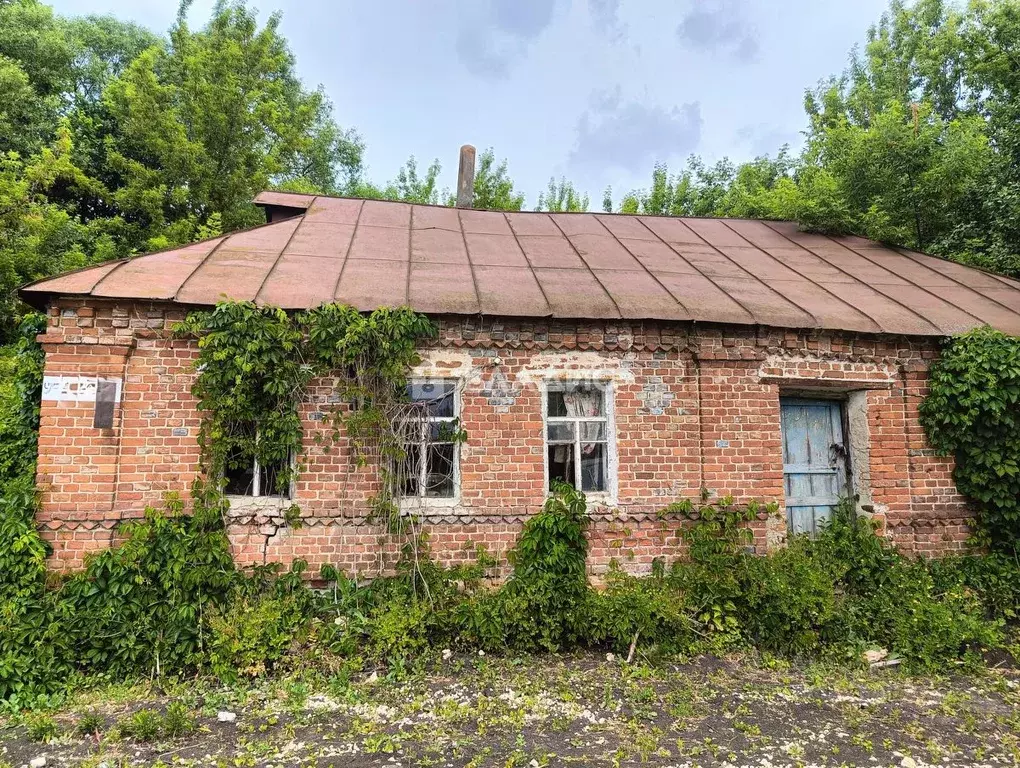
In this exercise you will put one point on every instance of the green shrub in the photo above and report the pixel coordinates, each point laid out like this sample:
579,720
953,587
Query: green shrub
540,602
142,725
646,609
178,721
90,724
788,601
994,579
41,727
141,607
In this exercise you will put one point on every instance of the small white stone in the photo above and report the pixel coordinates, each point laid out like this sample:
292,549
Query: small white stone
37,762
447,653
481,652
610,657
374,677
226,717
908,762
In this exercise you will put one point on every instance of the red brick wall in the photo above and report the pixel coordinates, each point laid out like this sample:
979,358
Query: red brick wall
693,408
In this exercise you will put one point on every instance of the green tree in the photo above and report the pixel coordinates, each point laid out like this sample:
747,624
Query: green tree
560,196
202,125
494,189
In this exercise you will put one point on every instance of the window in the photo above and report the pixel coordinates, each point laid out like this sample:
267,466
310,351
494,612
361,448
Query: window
246,477
431,434
577,431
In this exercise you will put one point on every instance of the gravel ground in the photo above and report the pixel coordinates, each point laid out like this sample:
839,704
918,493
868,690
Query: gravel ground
581,710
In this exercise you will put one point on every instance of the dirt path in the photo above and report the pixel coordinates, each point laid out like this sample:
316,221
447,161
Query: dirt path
579,710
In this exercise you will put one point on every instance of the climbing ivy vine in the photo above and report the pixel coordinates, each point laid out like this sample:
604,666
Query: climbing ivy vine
973,413
254,367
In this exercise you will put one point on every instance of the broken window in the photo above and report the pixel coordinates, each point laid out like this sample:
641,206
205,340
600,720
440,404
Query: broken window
431,434
246,476
577,435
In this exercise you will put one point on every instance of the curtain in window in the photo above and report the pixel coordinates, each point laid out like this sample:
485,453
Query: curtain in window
584,404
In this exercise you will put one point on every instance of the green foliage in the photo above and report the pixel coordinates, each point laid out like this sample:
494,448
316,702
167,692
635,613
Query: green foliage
561,197
41,727
178,721
142,725
21,370
251,375
260,626
550,581
972,412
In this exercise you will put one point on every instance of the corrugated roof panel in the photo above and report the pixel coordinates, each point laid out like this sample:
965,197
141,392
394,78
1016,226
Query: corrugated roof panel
366,284
510,291
495,250
229,272
443,289
704,300
637,293
381,243
550,251
438,246
656,256
575,293
603,252
299,281
710,270
158,276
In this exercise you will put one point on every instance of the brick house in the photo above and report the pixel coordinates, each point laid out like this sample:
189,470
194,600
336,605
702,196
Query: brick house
644,358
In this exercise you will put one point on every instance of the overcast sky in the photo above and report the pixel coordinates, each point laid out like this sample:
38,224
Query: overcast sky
597,90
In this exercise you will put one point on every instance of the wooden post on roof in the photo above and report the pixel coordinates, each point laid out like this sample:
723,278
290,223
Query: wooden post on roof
466,177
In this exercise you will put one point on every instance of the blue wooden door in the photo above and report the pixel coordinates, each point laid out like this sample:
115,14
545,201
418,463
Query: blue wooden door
814,461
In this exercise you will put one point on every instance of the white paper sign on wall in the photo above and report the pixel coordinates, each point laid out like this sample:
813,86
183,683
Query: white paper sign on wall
73,389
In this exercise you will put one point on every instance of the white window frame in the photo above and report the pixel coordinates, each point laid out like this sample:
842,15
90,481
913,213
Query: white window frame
414,503
608,496
257,495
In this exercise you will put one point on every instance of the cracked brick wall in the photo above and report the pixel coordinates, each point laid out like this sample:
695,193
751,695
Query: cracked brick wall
692,407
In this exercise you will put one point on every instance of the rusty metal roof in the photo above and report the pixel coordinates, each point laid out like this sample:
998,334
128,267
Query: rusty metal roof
371,253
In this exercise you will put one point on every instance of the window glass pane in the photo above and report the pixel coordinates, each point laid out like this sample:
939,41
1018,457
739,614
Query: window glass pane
593,467
592,431
561,464
409,469
561,431
270,478
439,471
555,406
436,394
443,431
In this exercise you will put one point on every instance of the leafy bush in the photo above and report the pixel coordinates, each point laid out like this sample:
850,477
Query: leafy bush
972,412
142,725
549,585
788,601
645,609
